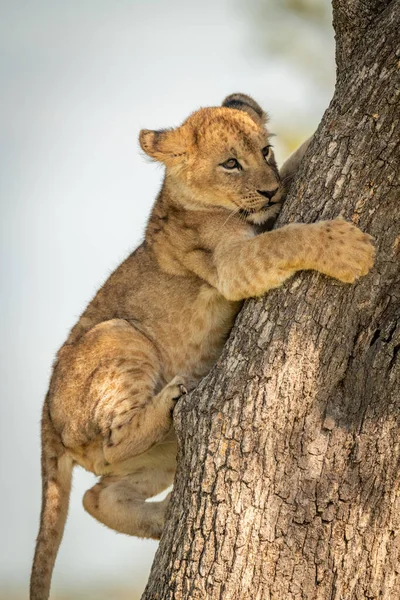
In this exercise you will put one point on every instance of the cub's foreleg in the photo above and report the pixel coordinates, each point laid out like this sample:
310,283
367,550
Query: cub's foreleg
252,266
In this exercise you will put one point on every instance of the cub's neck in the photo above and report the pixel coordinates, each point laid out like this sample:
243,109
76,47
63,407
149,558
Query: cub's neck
175,207
183,234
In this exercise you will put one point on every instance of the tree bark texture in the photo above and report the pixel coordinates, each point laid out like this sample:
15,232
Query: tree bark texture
288,481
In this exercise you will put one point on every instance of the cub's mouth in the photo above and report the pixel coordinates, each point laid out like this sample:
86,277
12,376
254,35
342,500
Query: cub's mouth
257,216
269,204
252,211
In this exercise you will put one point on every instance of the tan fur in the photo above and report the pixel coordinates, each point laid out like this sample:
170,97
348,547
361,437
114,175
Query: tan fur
160,321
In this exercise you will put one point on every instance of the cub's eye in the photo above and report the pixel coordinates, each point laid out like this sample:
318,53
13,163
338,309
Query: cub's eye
267,151
231,164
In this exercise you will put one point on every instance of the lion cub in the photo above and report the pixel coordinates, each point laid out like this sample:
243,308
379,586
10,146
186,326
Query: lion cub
160,321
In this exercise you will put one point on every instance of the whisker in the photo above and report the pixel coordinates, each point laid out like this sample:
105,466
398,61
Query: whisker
234,212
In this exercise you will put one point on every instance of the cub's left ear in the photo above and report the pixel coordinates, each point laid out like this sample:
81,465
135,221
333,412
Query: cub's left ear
243,102
167,145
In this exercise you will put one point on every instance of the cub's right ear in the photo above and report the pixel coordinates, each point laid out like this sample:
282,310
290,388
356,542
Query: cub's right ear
166,145
246,104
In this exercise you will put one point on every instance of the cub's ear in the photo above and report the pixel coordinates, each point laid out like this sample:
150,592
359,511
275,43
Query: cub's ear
243,102
166,145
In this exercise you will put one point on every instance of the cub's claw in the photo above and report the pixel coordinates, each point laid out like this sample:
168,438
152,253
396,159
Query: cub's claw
179,386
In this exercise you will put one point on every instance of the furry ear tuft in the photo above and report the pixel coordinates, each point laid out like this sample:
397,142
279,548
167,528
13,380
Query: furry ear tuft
166,145
147,141
247,104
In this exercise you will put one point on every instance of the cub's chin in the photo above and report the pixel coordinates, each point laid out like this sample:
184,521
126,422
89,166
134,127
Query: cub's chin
268,213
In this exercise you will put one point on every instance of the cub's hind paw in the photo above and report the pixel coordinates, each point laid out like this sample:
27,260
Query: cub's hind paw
174,390
182,389
178,387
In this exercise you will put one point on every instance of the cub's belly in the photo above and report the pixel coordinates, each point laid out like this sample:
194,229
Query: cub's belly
161,456
194,345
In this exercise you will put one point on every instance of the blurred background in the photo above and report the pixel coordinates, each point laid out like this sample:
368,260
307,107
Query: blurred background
78,82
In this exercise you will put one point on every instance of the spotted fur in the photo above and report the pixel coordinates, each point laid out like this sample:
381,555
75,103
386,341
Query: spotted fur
160,321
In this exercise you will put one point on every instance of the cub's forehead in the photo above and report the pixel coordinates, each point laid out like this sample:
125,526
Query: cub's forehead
225,127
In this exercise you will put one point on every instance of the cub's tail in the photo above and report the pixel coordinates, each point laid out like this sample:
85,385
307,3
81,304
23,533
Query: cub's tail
56,487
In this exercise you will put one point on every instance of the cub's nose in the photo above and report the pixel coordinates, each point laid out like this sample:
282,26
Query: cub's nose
268,193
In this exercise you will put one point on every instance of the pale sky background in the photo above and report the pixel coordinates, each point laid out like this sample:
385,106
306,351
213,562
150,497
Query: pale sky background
78,82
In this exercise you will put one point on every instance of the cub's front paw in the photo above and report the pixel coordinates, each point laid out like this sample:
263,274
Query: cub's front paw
348,253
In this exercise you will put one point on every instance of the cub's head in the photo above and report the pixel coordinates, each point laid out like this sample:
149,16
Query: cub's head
221,157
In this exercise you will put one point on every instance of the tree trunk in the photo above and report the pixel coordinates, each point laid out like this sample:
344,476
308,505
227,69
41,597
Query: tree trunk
288,481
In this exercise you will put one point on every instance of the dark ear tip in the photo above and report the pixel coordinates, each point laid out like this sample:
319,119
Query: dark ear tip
243,102
238,97
240,101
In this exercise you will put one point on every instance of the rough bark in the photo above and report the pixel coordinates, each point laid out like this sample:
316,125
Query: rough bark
352,19
288,482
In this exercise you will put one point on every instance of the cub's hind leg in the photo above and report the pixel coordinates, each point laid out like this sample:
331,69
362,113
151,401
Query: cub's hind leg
120,502
106,390
148,424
